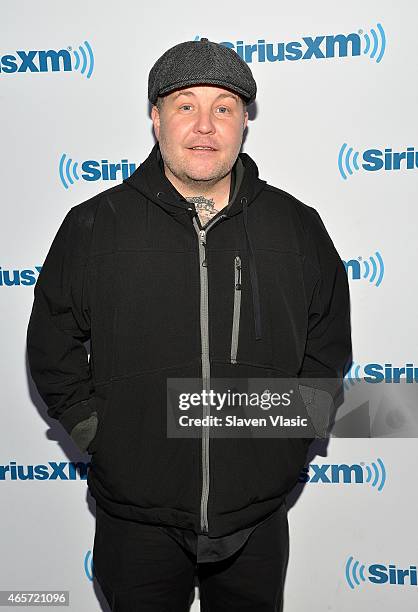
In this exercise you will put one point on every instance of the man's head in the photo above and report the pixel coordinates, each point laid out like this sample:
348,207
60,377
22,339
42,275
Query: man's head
199,91
200,116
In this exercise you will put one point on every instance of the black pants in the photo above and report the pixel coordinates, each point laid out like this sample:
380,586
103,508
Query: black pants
140,568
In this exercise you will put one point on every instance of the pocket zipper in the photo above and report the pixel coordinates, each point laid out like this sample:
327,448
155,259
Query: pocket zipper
237,309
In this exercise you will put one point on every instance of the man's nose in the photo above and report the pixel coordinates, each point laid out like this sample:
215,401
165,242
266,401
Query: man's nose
204,122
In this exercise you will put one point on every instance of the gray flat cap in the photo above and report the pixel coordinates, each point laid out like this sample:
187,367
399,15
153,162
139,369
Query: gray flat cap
196,62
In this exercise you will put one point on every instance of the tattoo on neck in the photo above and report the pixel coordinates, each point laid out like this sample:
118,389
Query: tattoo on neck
205,208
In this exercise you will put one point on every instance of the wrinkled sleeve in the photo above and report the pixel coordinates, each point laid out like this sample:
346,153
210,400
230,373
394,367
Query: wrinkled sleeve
59,325
328,350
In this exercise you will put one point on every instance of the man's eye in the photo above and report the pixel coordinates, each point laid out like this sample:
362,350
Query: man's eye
225,108
183,105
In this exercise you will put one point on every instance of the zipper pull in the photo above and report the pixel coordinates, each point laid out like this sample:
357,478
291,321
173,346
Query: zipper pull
238,273
203,243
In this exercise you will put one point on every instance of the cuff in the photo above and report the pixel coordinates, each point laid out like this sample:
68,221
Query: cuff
319,405
77,413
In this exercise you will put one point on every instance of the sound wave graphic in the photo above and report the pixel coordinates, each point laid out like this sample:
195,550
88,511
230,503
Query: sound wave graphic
376,474
84,60
68,171
374,268
346,161
375,43
88,564
353,375
354,572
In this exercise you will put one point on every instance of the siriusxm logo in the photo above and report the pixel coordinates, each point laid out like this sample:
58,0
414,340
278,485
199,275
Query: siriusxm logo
64,60
377,372
93,170
342,473
375,160
10,278
371,43
371,269
50,471
379,573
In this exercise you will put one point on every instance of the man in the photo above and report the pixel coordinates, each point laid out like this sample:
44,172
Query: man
192,268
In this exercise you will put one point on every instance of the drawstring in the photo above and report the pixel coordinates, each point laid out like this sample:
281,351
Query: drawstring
253,275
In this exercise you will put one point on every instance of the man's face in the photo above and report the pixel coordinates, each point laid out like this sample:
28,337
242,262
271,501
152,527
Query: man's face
200,116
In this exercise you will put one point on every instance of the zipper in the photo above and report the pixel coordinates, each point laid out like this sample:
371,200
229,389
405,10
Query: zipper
204,332
237,309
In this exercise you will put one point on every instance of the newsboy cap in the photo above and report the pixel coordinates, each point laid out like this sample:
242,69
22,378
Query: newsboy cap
196,62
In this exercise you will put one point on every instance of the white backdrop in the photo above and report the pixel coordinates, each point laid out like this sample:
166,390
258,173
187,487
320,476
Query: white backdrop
307,109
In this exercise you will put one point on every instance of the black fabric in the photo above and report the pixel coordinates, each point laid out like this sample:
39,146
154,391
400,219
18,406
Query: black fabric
208,549
234,188
124,271
139,567
205,548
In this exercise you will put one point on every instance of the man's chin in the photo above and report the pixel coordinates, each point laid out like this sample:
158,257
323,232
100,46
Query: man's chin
202,176
205,175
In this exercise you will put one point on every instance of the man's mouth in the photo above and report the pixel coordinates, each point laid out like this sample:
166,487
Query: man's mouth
202,148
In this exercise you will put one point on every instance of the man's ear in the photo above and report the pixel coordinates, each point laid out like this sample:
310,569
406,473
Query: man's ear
155,116
245,120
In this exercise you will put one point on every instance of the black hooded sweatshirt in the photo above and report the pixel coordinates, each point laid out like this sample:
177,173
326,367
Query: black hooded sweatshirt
133,270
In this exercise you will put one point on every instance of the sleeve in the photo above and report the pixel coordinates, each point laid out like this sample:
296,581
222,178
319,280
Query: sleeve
328,350
59,325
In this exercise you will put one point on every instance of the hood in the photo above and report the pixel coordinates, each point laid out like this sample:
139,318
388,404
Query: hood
150,180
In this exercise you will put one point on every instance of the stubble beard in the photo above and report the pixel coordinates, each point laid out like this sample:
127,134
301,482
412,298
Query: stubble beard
195,180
